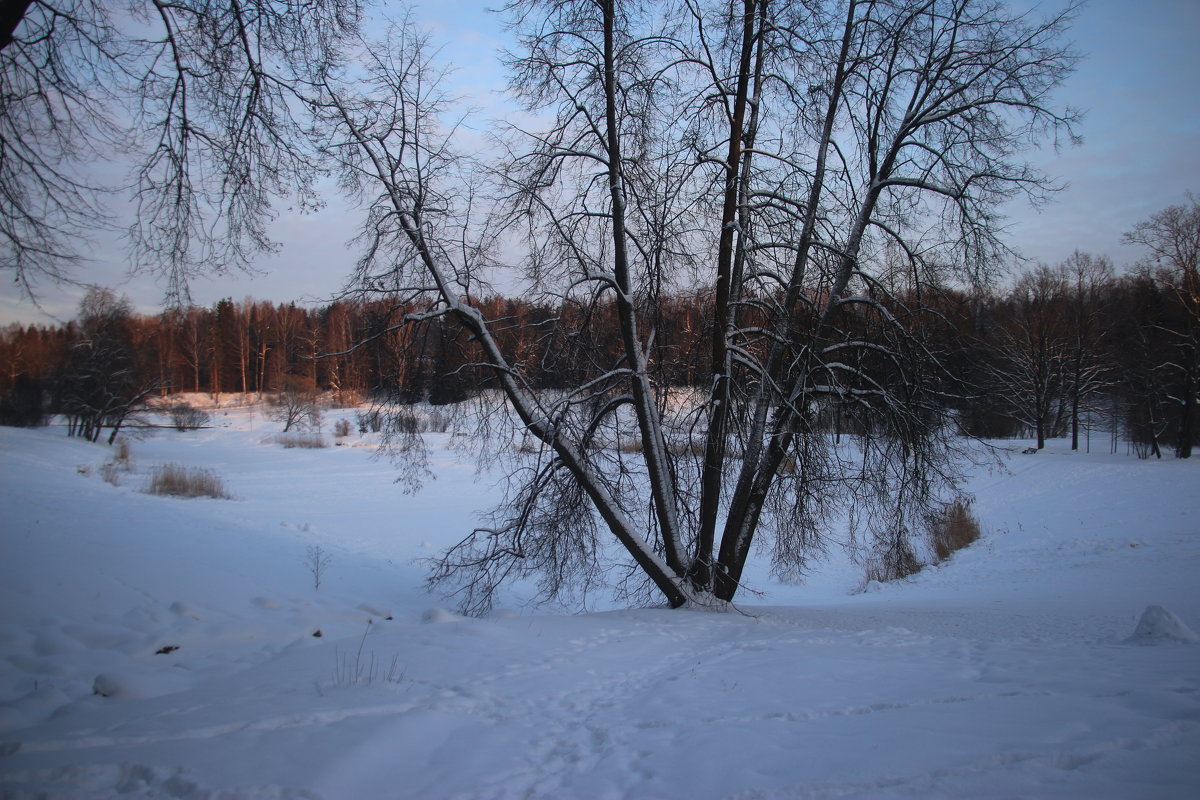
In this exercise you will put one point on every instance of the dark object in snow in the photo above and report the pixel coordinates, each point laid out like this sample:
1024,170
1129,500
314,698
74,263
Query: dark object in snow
107,686
1029,451
168,648
1159,626
317,633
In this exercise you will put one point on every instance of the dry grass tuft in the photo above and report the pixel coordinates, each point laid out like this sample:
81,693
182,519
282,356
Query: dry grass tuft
950,529
174,480
894,564
954,529
630,446
306,441
686,447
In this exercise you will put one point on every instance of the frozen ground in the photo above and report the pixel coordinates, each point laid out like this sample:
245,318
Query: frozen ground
1012,671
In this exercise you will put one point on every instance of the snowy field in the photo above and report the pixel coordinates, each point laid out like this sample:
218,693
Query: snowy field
153,647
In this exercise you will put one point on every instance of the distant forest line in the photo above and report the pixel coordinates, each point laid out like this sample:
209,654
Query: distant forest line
1064,349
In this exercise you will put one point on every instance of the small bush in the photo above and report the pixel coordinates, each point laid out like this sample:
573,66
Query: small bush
341,428
897,562
317,561
186,417
405,422
111,473
953,529
358,670
175,480
295,404
408,422
121,461
438,421
305,441
370,421
686,447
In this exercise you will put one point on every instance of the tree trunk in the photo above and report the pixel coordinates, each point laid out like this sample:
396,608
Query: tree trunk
717,439
1187,425
649,424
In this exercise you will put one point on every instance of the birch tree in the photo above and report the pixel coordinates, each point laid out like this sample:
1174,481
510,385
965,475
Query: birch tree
817,169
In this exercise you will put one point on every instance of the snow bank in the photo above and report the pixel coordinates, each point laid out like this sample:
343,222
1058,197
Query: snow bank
995,675
1160,626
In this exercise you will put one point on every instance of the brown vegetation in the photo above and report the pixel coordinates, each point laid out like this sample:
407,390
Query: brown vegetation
175,480
954,529
303,441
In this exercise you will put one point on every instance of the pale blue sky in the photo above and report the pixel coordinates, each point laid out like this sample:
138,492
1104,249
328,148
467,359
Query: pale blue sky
1138,84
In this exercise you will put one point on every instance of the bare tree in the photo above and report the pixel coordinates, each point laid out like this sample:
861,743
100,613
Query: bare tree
106,380
317,560
820,168
1031,350
1089,371
198,96
1173,238
295,403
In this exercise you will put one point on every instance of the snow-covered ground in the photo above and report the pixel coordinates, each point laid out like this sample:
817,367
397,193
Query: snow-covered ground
156,647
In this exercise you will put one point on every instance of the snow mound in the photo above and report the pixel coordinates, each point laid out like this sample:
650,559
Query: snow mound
438,616
1160,626
134,684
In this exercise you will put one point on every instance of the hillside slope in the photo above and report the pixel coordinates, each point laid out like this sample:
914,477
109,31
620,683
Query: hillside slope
1009,671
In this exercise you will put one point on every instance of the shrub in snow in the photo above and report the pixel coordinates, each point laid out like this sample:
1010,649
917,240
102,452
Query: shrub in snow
369,421
175,480
121,462
411,420
186,417
111,473
437,616
896,562
437,421
306,441
404,421
317,560
341,429
953,529
295,404
1160,626
361,669
695,447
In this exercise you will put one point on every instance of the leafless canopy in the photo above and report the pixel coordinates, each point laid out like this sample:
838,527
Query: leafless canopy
1172,237
816,169
200,96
